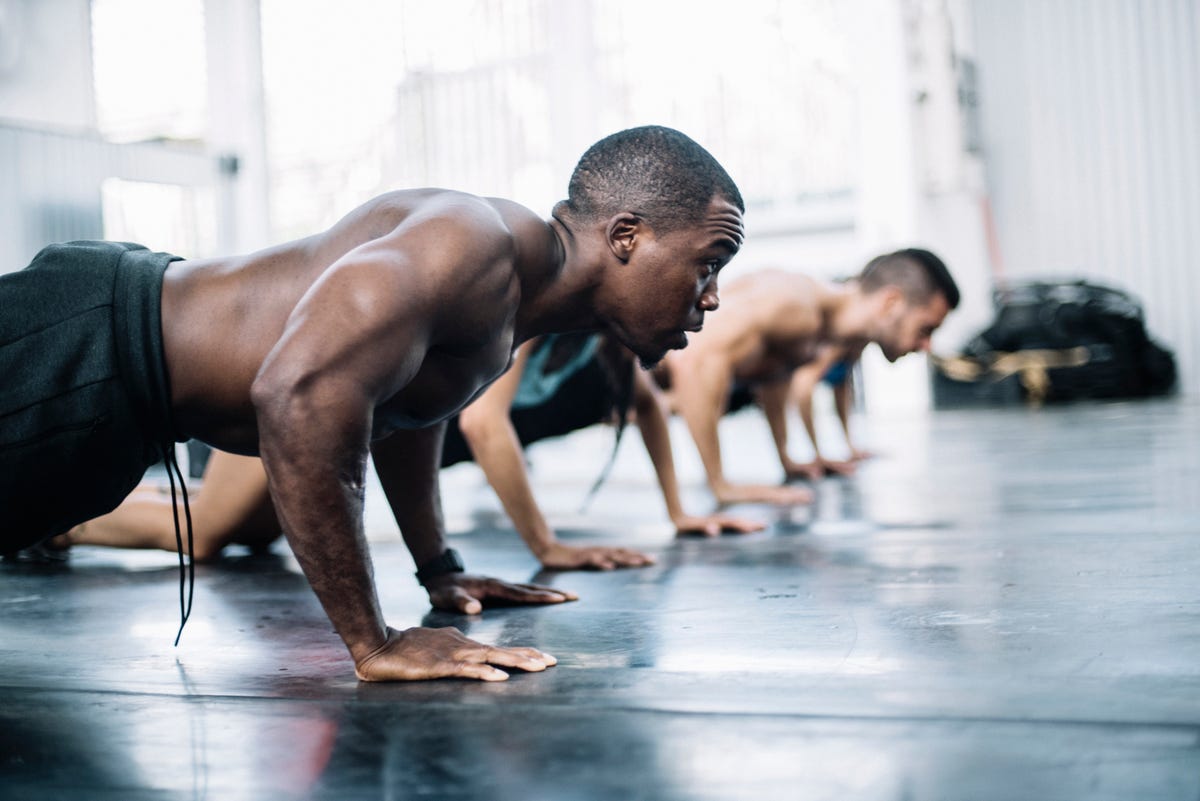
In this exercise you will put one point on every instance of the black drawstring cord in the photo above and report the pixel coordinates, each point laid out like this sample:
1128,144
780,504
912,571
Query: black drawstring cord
187,571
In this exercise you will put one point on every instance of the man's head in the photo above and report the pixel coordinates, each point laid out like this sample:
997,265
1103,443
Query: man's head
910,292
667,217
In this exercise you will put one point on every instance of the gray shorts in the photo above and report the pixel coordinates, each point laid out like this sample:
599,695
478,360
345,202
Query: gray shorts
84,400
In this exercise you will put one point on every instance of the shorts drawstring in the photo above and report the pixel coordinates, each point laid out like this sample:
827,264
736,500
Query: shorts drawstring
187,570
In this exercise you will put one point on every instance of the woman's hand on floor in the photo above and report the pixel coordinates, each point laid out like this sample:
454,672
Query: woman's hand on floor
559,556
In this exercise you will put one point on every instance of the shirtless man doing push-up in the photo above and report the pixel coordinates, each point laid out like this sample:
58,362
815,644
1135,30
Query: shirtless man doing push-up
774,322
357,342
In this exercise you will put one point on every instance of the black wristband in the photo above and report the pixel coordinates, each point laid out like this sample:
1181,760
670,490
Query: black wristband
448,561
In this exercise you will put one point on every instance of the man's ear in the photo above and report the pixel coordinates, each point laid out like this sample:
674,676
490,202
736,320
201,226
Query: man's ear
891,298
623,232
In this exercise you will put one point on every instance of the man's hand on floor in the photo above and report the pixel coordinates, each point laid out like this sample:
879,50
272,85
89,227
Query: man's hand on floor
715,524
763,493
421,653
461,592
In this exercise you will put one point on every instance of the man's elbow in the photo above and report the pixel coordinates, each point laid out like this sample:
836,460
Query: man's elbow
282,403
269,396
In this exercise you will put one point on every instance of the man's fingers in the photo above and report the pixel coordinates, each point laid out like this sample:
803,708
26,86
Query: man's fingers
527,659
425,653
462,601
565,595
742,526
609,558
478,670
527,593
796,495
600,561
627,558
548,660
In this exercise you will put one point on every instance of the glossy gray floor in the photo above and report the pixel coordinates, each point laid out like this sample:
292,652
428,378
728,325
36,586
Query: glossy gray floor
1005,605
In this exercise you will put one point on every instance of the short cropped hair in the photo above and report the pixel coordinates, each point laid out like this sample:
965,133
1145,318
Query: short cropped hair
918,273
658,173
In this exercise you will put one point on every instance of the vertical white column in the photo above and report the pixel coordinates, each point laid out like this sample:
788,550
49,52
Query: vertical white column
887,190
887,181
573,77
919,185
237,122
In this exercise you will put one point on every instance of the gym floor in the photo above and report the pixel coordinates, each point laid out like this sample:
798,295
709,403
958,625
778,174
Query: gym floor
1004,605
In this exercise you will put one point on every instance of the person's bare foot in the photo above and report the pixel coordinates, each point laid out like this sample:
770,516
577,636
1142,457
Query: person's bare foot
62,542
44,553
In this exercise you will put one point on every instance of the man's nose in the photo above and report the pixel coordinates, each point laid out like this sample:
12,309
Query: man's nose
710,300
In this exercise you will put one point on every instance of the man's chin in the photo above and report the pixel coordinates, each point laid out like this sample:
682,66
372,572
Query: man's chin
649,358
649,361
650,354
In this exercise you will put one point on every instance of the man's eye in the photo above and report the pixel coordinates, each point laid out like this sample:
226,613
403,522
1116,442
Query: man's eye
711,267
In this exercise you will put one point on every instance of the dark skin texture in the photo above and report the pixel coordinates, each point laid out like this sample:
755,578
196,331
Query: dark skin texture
364,339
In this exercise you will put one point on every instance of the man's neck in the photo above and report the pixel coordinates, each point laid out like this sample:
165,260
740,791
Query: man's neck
842,316
557,287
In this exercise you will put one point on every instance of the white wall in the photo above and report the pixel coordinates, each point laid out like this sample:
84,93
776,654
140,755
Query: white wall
1091,121
46,63
237,121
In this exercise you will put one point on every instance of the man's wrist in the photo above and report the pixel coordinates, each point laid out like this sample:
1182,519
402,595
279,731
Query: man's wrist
448,561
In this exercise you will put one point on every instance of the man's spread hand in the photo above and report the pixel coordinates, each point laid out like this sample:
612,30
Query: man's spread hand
460,592
420,653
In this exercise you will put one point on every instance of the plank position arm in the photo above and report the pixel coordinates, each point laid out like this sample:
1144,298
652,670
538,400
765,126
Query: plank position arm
654,427
488,429
701,390
357,338
801,386
843,399
804,384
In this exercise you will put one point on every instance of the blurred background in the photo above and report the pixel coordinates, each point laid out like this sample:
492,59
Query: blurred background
1016,138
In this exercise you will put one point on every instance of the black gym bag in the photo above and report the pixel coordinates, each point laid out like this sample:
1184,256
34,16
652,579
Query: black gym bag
1086,340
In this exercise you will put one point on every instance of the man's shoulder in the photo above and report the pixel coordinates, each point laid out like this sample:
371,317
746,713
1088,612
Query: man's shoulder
460,221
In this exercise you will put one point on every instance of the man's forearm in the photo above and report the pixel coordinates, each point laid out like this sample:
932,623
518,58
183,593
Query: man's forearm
804,405
773,397
408,463
320,510
843,393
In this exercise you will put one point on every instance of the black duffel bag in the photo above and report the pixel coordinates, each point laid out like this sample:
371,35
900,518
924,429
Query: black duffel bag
1121,360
